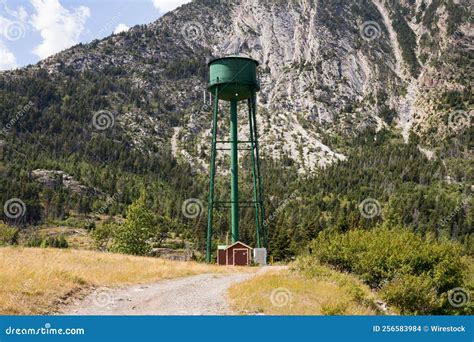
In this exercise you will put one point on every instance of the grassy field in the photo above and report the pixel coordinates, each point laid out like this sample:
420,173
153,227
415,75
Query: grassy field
36,281
288,293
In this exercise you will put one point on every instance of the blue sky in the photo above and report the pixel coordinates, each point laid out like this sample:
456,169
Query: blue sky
31,30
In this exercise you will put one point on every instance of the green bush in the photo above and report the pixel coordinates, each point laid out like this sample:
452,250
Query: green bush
89,225
412,294
311,268
46,242
331,309
412,273
54,242
8,235
34,241
103,235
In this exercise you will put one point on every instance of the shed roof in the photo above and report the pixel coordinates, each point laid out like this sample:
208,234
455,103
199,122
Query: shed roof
239,242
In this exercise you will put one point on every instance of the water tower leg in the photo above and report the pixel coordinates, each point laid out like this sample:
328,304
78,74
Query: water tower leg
263,225
211,183
234,171
256,197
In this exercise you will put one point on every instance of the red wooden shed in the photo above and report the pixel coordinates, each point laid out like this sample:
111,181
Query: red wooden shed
237,254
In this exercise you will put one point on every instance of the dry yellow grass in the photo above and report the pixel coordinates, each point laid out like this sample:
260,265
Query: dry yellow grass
287,293
32,280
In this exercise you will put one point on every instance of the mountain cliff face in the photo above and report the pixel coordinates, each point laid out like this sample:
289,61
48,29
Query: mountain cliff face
329,70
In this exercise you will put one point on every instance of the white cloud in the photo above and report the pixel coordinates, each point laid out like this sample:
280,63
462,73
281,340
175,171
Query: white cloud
19,13
59,27
7,58
168,5
121,28
13,24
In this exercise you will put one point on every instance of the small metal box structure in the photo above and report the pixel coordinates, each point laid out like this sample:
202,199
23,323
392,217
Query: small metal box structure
260,256
237,254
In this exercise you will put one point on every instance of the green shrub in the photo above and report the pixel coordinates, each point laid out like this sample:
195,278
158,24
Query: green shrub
34,241
412,294
103,235
47,242
310,268
89,225
76,222
8,235
331,309
412,273
54,242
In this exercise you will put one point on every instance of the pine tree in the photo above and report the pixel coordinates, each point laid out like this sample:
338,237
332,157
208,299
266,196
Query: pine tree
132,237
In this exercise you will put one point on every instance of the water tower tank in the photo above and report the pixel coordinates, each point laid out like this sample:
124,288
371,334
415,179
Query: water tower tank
236,77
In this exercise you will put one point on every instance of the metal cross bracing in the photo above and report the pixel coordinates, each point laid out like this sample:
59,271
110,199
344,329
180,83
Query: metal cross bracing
234,146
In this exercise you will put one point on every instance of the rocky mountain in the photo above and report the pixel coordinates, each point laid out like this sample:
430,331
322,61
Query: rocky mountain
329,70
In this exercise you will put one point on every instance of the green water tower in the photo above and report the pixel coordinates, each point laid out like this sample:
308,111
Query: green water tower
234,79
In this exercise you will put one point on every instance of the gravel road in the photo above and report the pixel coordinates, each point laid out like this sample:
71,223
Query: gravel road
204,294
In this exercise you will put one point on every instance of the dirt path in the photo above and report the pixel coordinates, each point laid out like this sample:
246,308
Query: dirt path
203,294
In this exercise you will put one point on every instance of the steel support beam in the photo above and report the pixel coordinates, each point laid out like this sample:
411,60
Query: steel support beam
234,171
213,176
